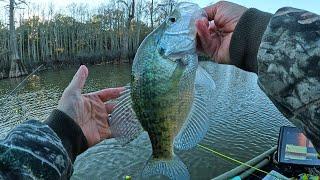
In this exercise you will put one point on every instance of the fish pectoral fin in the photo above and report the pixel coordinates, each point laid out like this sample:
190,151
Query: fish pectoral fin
197,123
174,169
205,80
124,124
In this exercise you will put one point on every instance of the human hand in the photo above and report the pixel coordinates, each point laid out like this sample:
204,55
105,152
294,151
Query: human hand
88,110
214,33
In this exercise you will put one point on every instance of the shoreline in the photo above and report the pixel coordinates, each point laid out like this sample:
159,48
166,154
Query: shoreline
60,65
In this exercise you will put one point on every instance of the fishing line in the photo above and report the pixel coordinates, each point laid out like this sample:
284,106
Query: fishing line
234,160
6,98
20,84
24,80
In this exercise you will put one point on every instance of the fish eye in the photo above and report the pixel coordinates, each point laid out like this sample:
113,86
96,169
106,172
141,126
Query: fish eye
172,19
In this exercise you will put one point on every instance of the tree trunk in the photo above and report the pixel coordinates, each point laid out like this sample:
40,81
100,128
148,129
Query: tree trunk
131,14
17,68
151,14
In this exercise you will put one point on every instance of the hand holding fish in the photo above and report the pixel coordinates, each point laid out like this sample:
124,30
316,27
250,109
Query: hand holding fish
88,110
215,32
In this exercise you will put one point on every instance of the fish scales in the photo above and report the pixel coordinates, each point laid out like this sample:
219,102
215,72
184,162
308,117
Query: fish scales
168,94
161,102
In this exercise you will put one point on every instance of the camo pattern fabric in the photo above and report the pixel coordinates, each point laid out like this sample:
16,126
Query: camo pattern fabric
32,150
289,68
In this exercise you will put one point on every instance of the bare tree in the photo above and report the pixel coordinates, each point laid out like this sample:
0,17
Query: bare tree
130,9
151,14
50,37
17,67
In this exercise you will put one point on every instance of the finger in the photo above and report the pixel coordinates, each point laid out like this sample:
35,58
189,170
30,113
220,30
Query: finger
211,11
109,93
205,21
109,107
79,79
107,134
204,34
209,41
200,34
212,27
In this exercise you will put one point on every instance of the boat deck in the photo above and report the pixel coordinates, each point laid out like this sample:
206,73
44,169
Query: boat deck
260,166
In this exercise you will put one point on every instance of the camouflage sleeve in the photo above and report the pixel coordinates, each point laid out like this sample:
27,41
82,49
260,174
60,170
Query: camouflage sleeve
32,150
289,68
36,150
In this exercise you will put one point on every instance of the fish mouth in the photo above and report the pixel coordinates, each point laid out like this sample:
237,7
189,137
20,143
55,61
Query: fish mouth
176,33
175,45
176,56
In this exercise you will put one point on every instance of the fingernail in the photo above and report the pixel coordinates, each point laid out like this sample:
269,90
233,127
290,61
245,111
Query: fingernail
84,71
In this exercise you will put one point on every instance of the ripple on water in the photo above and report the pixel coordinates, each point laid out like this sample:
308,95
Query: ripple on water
244,123
36,99
29,105
115,161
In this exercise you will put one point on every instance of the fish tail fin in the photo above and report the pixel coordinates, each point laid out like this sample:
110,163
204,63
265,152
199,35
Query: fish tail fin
174,169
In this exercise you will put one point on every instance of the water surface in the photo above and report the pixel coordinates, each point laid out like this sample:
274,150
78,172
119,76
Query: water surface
244,123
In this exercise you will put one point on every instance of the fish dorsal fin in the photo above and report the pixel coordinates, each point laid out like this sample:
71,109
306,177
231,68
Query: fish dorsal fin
197,123
124,124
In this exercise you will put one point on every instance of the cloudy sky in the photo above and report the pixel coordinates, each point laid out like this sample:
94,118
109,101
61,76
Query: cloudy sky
265,5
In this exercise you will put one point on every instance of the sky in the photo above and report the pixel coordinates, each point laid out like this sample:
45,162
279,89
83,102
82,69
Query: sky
273,5
264,5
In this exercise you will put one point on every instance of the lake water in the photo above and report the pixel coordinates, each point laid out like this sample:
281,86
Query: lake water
244,123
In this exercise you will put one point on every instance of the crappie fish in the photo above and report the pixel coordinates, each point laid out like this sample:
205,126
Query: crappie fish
168,94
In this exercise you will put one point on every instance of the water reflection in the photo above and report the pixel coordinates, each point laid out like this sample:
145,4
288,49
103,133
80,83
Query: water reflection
244,122
40,95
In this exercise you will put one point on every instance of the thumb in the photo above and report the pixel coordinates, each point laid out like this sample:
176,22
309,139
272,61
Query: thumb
206,40
79,79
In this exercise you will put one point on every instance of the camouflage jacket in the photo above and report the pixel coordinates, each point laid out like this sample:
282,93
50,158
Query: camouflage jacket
284,50
36,150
